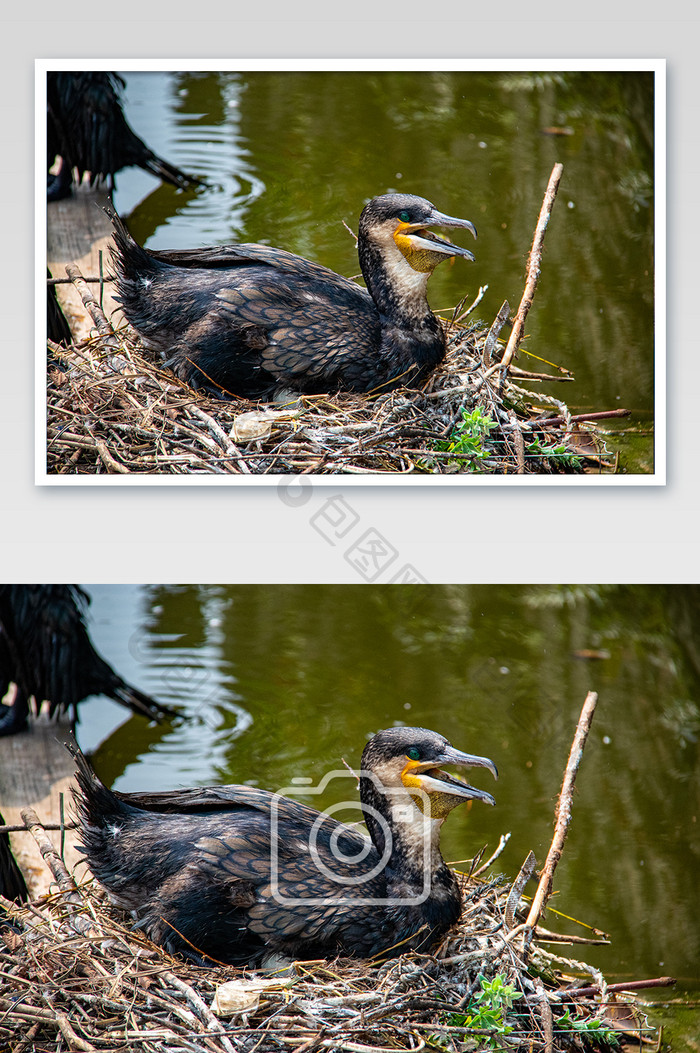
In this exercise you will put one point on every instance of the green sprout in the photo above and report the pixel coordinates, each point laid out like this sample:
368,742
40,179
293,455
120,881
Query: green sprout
487,1010
469,435
553,453
589,1028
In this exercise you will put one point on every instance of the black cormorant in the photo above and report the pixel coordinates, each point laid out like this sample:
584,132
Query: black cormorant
250,320
235,874
87,129
45,650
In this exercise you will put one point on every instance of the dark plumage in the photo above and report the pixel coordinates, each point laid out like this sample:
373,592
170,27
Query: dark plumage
250,320
12,884
57,328
234,873
87,129
45,650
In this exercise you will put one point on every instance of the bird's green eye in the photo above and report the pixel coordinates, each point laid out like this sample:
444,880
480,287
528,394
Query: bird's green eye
414,752
404,217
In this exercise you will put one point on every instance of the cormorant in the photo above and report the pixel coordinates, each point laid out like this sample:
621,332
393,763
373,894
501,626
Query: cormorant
45,650
250,320
235,874
86,127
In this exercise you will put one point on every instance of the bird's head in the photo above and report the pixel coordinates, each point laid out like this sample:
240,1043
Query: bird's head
413,759
402,221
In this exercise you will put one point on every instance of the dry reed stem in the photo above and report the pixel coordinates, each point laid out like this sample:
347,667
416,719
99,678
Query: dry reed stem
563,811
533,267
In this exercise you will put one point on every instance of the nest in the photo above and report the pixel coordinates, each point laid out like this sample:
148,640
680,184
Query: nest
74,975
113,409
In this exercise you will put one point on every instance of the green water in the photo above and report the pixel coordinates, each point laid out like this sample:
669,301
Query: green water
290,155
286,681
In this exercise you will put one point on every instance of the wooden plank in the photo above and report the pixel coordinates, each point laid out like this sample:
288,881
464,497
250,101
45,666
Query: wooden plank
35,768
77,230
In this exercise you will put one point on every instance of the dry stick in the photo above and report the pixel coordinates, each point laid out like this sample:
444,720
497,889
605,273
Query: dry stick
546,1016
525,374
533,270
601,415
51,856
199,1007
563,811
67,281
518,439
98,316
494,332
516,891
504,839
57,867
16,829
633,985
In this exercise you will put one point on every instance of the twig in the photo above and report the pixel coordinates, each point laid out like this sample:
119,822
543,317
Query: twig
57,867
533,270
505,838
199,1007
53,860
16,829
516,891
633,985
518,439
459,314
575,418
98,316
68,281
546,1016
563,811
494,332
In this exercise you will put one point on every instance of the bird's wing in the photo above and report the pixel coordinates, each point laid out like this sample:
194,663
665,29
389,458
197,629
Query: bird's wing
305,876
311,319
210,800
214,257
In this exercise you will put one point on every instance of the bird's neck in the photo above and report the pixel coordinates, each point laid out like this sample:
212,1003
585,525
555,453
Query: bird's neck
409,840
399,291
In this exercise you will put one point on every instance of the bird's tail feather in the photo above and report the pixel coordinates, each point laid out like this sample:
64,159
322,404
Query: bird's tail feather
128,256
139,702
169,173
94,801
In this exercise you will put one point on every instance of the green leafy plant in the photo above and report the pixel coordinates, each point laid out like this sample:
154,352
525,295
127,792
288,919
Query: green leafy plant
553,453
588,1027
469,435
487,1010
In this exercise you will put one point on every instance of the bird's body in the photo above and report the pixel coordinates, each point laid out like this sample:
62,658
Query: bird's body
86,127
250,320
45,650
235,874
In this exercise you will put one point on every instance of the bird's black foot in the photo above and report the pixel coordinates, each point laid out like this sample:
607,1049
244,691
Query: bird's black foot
13,719
59,185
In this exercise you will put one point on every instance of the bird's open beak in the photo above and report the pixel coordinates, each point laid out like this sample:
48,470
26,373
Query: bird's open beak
429,776
421,239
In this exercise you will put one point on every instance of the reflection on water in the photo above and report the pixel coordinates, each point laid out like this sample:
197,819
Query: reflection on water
283,681
289,155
